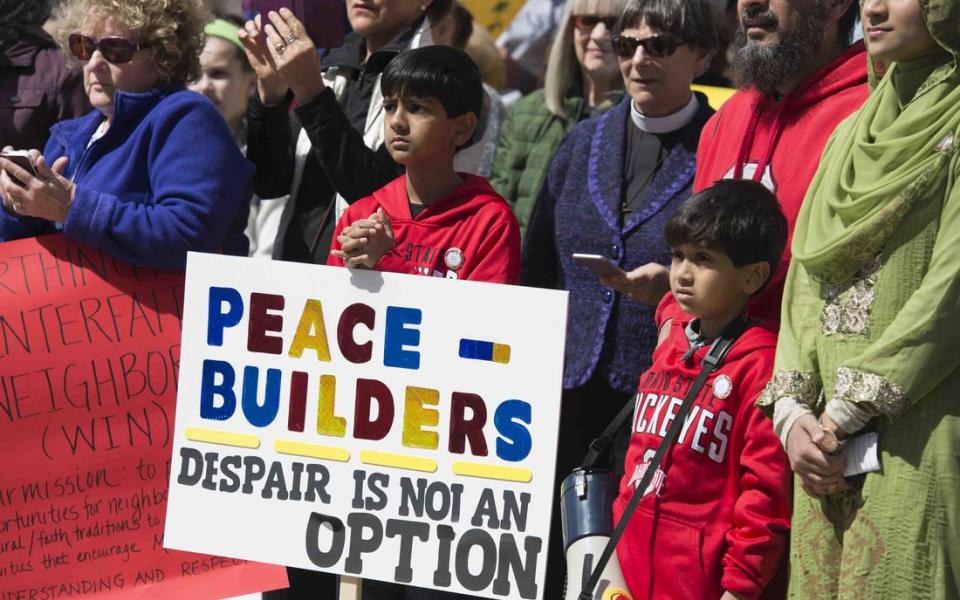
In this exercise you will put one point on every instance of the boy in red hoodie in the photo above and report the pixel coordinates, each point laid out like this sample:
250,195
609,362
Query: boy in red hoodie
715,523
432,220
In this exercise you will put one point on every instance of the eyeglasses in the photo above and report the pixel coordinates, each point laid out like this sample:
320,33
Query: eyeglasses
657,46
586,23
116,50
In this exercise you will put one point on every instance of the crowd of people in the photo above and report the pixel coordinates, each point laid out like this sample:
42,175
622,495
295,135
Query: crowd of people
807,221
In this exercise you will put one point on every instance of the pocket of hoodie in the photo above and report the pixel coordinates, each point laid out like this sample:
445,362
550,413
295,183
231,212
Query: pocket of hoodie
678,568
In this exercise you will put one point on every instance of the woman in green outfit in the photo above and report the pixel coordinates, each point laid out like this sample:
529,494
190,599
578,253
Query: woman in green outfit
870,336
582,80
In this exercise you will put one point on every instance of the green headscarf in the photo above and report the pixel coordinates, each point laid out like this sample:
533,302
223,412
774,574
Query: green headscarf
884,157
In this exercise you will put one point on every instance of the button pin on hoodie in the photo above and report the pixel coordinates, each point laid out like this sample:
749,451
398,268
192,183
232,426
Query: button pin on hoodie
453,258
722,387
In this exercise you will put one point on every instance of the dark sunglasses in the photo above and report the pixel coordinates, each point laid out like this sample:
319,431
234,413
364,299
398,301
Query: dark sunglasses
588,22
116,50
657,46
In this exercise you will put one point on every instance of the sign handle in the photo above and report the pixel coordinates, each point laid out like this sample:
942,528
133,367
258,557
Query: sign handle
350,587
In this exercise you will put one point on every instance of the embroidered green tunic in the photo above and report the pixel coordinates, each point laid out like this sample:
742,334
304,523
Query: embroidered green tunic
870,333
890,339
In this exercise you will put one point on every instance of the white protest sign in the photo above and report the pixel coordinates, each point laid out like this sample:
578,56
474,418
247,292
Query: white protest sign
377,425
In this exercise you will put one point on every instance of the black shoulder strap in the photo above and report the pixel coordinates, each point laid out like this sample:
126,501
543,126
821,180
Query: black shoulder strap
716,354
600,444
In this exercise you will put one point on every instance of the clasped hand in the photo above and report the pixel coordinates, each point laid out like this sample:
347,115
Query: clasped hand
820,472
46,195
283,57
363,243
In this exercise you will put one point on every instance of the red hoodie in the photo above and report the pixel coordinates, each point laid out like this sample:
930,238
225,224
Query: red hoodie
779,143
469,234
721,517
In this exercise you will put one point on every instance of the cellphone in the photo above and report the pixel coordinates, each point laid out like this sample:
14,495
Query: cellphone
599,264
23,159
325,20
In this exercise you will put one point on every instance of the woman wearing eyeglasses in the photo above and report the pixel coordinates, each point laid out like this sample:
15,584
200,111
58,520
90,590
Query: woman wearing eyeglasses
152,172
614,183
581,81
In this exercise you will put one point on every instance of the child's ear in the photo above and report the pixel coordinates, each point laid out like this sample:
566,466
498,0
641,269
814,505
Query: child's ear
754,276
466,124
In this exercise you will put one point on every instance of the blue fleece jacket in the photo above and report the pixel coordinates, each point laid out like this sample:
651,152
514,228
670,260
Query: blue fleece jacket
167,178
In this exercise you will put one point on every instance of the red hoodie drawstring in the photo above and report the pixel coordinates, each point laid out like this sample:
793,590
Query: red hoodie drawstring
745,145
747,141
778,126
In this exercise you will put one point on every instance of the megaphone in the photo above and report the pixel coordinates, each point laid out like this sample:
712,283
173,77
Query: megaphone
586,501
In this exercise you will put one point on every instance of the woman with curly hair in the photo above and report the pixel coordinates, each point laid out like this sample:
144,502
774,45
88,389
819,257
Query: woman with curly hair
152,172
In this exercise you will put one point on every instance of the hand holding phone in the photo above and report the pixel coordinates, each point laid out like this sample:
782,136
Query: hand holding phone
23,159
33,188
599,264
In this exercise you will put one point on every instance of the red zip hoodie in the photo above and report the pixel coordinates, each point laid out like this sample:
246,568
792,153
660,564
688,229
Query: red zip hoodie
719,517
779,142
469,234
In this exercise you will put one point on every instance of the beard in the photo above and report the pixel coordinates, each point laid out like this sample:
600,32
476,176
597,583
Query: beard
766,67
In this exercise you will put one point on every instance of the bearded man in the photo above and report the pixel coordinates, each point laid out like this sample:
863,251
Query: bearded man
798,78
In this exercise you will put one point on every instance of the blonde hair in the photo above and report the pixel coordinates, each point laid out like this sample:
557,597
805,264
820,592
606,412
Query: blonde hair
563,70
173,29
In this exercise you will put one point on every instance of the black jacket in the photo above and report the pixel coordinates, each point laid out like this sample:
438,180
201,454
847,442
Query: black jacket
340,161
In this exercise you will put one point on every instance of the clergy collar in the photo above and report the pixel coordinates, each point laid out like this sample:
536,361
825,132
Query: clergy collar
666,124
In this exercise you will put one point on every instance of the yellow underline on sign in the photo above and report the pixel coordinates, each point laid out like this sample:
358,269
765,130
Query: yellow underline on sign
398,461
469,469
312,450
225,438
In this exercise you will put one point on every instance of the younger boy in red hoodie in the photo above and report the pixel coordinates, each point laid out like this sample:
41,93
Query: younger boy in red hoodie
715,523
432,220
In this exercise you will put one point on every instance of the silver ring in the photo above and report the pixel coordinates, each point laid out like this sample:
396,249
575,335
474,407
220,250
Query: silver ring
280,48
290,39
17,207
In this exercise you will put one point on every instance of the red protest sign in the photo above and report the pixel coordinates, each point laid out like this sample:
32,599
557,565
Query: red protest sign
89,360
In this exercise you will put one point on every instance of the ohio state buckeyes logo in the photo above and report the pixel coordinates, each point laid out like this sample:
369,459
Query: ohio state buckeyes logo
750,171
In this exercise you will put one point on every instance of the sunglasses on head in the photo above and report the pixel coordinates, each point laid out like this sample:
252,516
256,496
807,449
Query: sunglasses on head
588,22
116,50
656,46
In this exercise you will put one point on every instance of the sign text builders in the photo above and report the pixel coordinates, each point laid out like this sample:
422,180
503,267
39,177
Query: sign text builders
383,426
